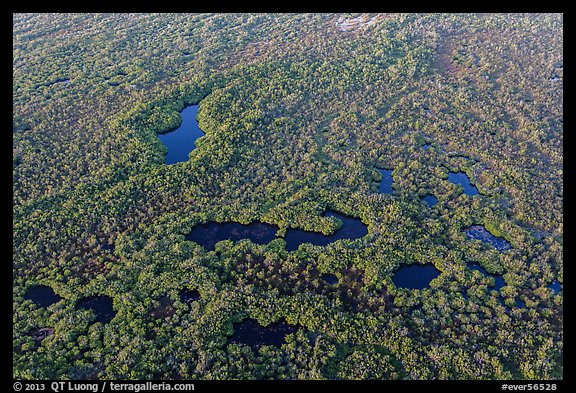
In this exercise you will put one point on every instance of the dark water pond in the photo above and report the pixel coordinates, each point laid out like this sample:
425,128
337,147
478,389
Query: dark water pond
251,333
330,279
164,309
414,276
478,232
188,296
106,246
42,296
386,183
431,200
100,305
181,141
41,333
498,280
462,179
352,228
207,235
555,286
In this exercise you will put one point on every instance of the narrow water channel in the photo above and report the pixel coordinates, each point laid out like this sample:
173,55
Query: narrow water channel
182,140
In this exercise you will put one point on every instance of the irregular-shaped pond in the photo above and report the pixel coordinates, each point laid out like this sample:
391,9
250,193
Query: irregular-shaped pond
478,232
42,296
41,333
414,276
188,296
386,182
462,179
181,141
164,309
251,333
329,278
207,235
352,228
100,305
498,280
107,246
430,199
555,286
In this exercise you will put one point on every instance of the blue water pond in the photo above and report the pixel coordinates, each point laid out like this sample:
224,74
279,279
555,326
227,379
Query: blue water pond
431,200
462,179
478,232
414,276
386,182
181,141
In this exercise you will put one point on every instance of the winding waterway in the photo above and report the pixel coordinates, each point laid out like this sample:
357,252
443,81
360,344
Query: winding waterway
462,179
182,140
208,234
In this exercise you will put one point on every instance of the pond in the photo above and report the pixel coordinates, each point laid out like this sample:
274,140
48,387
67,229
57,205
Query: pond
181,141
414,276
555,286
100,305
329,279
251,333
41,333
42,296
462,179
498,279
208,234
188,296
478,232
107,247
352,228
430,199
164,309
386,182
